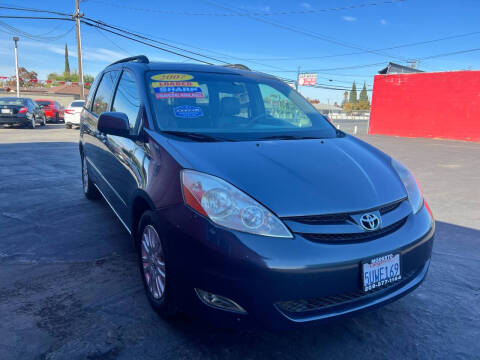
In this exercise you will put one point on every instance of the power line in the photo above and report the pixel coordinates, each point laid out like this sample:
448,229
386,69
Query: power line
34,17
113,42
305,32
152,40
257,13
15,31
226,56
362,52
34,10
465,51
144,42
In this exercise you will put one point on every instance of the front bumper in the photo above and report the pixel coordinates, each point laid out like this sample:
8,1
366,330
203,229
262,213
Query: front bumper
261,273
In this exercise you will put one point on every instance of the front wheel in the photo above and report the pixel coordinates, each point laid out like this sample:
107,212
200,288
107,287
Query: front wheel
68,126
89,190
154,267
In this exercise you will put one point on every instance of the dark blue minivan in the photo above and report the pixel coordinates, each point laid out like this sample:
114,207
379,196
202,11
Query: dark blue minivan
247,207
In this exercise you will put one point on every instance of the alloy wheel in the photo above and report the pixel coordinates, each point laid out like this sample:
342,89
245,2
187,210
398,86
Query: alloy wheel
153,262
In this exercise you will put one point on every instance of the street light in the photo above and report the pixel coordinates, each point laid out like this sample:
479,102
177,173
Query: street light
16,39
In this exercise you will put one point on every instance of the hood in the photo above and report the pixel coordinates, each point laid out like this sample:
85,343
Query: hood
300,177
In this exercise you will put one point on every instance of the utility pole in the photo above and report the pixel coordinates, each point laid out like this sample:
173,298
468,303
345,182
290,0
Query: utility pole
298,75
15,40
77,17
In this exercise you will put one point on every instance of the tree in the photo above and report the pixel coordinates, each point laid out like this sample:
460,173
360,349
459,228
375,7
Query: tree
363,103
353,94
67,64
345,98
73,77
363,93
25,77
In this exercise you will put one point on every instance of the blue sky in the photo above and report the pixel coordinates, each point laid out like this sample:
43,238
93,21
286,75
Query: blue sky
267,47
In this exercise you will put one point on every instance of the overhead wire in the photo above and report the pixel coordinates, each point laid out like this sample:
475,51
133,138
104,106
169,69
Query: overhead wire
255,13
15,31
86,22
304,31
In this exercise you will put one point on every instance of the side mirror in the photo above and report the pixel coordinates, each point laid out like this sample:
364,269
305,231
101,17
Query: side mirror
114,123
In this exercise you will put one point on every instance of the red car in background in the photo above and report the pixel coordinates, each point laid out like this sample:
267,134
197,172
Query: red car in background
52,109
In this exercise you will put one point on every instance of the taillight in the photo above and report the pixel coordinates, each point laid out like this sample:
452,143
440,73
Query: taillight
69,111
23,110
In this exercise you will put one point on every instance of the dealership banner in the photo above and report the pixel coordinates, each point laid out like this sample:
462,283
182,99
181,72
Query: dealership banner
307,79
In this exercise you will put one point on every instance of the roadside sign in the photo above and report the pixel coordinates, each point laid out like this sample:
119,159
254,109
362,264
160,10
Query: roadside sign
307,79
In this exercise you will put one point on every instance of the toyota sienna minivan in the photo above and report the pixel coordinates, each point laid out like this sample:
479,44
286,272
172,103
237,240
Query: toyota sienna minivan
247,207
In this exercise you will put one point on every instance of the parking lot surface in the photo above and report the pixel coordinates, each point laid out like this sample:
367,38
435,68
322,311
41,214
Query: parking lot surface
70,288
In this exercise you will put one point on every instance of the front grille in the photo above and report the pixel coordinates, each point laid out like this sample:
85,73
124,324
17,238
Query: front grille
324,303
355,237
341,218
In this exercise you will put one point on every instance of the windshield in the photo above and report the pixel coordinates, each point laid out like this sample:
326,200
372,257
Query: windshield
77,104
232,107
11,101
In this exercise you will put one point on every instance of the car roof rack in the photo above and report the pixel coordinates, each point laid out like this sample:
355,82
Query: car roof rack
139,58
237,66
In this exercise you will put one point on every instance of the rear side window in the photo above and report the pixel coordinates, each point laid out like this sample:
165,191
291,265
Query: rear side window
91,92
43,102
126,99
101,101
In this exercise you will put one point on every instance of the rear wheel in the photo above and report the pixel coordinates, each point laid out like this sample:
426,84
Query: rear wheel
68,126
154,267
89,190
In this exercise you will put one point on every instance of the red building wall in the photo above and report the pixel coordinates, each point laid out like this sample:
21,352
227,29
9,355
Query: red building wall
441,105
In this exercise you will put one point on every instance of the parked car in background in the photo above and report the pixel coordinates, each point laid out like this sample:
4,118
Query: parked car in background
22,111
52,109
247,207
72,113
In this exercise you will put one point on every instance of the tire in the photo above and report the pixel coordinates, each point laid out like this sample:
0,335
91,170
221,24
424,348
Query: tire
163,302
57,118
89,189
33,123
68,126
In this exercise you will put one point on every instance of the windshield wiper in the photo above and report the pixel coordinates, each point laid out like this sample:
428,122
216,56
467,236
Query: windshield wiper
287,137
195,136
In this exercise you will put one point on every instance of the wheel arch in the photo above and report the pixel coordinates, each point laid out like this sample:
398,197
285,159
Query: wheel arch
141,202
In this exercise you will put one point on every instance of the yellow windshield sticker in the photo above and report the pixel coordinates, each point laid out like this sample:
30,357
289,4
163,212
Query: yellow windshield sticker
157,84
172,77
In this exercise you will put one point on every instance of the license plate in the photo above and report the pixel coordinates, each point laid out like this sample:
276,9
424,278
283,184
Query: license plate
381,271
6,111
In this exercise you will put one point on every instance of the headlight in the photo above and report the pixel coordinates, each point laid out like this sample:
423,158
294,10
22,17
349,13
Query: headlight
415,195
227,206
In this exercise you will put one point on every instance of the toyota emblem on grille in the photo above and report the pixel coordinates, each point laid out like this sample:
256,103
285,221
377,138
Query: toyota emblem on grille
370,221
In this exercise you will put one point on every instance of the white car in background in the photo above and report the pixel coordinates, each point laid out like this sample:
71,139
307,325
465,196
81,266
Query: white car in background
72,113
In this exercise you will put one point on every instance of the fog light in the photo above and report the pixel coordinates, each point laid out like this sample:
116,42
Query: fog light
219,302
